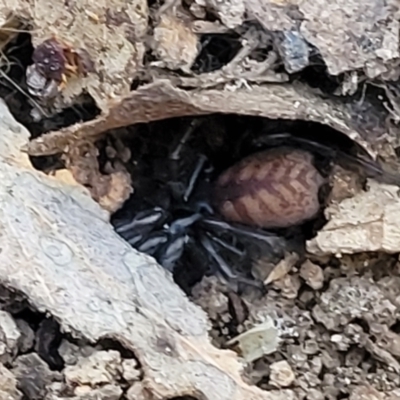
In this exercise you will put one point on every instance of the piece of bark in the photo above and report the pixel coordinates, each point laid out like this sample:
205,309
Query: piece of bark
367,222
161,100
60,251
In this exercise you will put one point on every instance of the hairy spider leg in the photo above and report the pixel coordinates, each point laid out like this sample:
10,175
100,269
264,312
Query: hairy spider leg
209,242
176,238
194,177
153,242
371,167
142,224
172,251
142,219
282,139
271,239
175,156
223,269
180,225
227,246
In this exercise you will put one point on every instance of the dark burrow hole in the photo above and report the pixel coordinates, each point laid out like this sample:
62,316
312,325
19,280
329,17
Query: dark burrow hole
184,398
316,75
396,327
47,337
224,139
110,344
216,51
160,183
363,324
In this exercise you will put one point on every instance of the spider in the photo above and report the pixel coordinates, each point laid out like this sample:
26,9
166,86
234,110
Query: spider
219,217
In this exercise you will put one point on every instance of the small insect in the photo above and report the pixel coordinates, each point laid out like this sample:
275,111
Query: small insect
187,212
54,62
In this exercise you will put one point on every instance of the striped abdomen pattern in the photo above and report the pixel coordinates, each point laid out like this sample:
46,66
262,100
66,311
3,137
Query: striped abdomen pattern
270,189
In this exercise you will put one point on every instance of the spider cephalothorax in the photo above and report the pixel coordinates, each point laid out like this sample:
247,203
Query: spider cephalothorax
184,211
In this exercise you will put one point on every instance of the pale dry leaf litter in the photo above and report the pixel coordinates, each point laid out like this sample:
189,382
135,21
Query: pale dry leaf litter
365,222
327,326
260,340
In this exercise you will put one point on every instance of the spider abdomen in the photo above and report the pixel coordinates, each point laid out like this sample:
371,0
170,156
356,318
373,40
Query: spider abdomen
270,189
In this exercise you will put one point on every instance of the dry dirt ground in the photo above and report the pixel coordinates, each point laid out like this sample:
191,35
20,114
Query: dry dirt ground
108,108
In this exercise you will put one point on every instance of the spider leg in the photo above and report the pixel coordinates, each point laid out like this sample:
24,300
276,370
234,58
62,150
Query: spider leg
152,243
203,206
141,219
179,188
273,139
281,139
224,270
268,238
180,225
176,238
172,251
223,266
194,177
143,223
372,168
227,246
